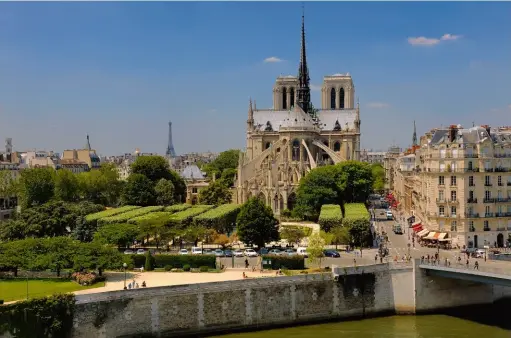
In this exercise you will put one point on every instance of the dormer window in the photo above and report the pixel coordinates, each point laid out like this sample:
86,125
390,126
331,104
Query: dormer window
268,127
337,125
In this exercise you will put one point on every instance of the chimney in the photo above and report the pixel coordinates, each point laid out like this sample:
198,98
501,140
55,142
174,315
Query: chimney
453,130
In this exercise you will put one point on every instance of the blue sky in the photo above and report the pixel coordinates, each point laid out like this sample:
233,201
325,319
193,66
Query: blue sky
119,71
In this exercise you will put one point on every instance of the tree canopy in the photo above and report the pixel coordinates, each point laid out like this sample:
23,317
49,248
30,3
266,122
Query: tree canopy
215,194
67,186
224,166
379,177
37,186
256,223
138,190
165,192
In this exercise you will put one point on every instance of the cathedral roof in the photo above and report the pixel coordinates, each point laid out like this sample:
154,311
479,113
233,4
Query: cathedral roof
344,117
297,119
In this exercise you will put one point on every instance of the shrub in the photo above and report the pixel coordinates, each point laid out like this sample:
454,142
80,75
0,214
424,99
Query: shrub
125,216
222,218
204,269
185,217
186,267
175,261
87,278
286,262
330,216
356,211
150,216
168,268
109,212
177,207
149,261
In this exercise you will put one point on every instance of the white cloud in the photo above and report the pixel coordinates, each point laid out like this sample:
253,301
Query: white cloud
424,41
272,59
315,88
450,37
378,105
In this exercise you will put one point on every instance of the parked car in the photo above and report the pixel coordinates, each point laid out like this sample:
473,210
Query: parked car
208,252
228,253
219,253
129,252
250,253
331,253
397,229
196,250
183,252
289,252
238,253
302,252
140,252
263,251
274,252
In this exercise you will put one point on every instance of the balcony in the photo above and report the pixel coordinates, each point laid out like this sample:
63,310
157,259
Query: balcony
471,185
471,200
503,214
488,170
486,229
502,155
489,200
489,214
502,200
501,229
488,184
500,184
501,170
471,170
472,215
454,216
453,201
441,200
471,155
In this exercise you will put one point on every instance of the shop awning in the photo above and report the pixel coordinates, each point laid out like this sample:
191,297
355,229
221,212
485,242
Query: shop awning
423,233
417,229
442,235
431,235
415,224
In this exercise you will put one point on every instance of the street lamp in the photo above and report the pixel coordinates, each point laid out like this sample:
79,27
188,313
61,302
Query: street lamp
124,265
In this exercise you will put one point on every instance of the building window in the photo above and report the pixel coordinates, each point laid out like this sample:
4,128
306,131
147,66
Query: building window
453,196
453,180
332,98
441,180
441,195
337,146
454,226
292,91
441,210
471,181
487,195
487,209
453,211
284,98
499,180
341,98
441,225
487,181
194,190
470,165
486,226
471,195
267,145
296,150
471,226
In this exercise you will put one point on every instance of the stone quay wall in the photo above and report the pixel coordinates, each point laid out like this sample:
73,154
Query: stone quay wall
201,309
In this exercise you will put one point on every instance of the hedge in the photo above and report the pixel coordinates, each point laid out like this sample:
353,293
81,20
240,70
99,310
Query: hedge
330,216
109,212
150,216
126,216
185,217
356,211
40,317
286,262
177,207
222,218
176,261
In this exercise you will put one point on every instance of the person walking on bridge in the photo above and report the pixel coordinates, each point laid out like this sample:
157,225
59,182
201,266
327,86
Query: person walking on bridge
476,265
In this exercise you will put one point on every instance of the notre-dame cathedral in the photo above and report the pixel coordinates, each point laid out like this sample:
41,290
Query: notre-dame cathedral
285,142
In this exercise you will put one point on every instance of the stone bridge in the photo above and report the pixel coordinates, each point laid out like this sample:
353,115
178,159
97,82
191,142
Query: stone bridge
484,275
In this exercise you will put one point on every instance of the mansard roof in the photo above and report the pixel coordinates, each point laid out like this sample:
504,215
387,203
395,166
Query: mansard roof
192,171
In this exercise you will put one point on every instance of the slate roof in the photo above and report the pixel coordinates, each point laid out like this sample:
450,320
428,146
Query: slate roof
286,118
463,136
192,172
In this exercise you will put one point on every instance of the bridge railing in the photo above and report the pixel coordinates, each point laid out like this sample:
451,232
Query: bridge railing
463,268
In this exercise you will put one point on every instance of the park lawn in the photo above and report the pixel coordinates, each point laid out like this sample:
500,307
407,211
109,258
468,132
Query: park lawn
307,231
16,289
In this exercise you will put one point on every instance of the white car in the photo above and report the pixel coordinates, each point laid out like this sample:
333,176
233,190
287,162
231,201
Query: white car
238,253
129,252
183,252
140,252
196,250
250,253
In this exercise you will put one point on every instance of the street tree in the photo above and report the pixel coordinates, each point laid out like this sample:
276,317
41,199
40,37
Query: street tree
292,234
138,190
316,247
120,234
256,223
340,235
378,177
37,186
228,175
165,192
225,160
67,186
8,185
153,167
216,193
355,181
58,253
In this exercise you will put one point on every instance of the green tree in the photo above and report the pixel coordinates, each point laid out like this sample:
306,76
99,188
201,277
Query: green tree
120,234
292,234
138,190
8,184
340,235
320,186
225,160
153,167
378,177
155,227
316,247
215,193
228,176
165,192
256,223
179,187
58,253
101,186
360,232
355,181
51,219
67,186
149,261
37,186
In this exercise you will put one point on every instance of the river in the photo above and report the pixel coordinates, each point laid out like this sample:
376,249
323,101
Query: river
428,326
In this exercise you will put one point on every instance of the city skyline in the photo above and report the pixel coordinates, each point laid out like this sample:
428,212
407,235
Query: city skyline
120,71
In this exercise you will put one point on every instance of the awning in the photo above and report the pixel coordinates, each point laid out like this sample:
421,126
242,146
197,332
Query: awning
415,224
431,235
422,233
442,235
417,228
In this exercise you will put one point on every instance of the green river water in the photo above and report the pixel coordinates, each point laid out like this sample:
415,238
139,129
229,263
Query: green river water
428,326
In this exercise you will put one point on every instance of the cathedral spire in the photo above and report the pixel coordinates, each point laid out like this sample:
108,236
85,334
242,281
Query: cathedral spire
303,91
87,146
414,138
250,120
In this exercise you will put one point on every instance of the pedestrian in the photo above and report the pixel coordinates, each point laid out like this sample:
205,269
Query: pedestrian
422,259
143,284
142,269
476,265
136,286
381,259
467,263
375,259
246,263
129,286
446,261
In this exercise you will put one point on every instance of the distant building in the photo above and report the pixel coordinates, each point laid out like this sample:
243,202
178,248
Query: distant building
195,181
179,163
87,155
372,157
75,166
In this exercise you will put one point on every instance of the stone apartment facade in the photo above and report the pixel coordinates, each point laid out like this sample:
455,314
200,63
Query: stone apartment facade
458,181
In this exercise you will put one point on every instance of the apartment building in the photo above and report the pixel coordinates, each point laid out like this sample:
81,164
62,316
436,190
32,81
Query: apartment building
372,157
461,184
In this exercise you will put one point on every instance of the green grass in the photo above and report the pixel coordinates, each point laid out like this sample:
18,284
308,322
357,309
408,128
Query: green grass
16,289
307,231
